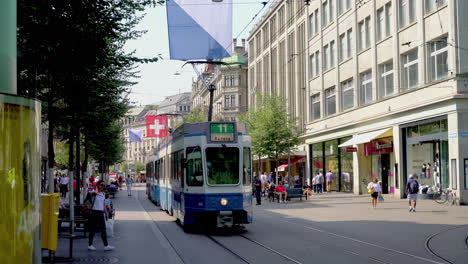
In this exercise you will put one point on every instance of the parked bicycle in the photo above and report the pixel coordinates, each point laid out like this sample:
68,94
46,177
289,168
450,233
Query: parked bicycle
446,196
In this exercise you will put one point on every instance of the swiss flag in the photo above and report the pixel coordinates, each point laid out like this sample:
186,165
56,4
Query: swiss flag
156,126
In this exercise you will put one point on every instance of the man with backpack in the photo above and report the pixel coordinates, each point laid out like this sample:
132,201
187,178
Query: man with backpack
412,188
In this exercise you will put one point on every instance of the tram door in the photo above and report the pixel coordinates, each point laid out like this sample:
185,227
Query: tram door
385,159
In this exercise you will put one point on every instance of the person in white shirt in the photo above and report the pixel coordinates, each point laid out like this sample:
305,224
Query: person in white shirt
374,189
64,185
98,217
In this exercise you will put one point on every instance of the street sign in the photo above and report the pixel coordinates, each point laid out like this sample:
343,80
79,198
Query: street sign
222,132
349,149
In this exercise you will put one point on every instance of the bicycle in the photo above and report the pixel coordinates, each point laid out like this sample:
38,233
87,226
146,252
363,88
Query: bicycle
441,196
452,198
446,196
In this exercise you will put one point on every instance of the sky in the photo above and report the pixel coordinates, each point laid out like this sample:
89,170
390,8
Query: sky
158,80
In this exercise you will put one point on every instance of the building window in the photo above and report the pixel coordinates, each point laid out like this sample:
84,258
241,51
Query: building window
316,20
386,79
364,33
437,59
324,13
349,42
317,63
315,107
365,93
311,25
347,94
341,47
266,36
407,12
330,101
281,20
384,21
325,57
409,71
345,45
343,5
434,4
273,28
227,101
332,54
311,65
233,101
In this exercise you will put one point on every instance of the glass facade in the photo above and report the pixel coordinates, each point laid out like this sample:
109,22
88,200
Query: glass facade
427,154
326,156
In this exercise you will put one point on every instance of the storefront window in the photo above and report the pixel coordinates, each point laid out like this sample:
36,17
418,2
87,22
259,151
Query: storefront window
427,155
331,162
346,161
317,158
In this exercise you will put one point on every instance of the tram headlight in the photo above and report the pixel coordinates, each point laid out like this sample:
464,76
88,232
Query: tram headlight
224,201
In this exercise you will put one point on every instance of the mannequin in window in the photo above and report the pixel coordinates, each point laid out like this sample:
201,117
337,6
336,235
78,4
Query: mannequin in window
423,171
428,171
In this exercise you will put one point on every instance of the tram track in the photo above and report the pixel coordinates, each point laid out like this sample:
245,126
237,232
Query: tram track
243,258
427,243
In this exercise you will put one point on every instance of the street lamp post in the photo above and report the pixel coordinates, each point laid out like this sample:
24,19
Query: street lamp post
211,88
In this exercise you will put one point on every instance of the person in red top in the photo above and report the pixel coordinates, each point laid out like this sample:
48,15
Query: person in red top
281,190
120,182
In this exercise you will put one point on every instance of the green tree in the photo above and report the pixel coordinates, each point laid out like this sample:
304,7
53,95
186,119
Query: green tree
195,116
272,130
140,166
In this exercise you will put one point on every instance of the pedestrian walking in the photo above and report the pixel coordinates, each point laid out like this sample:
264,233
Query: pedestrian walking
128,182
319,182
64,180
374,189
263,181
329,177
412,189
314,184
120,182
258,190
98,217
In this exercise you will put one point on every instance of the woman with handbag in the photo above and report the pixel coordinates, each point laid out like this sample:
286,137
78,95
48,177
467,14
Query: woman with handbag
98,217
374,189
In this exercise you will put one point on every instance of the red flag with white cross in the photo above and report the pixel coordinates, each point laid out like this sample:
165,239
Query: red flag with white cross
156,126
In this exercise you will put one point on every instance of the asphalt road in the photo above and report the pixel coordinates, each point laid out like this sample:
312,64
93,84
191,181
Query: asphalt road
329,229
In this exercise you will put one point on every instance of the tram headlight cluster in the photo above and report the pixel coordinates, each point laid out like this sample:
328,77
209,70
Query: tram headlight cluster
224,201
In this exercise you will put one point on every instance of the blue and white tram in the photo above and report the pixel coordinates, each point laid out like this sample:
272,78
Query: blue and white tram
152,180
205,174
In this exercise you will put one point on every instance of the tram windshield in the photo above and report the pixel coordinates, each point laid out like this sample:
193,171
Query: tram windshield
222,165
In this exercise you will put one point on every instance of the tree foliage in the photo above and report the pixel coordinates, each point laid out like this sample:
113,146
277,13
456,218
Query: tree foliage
270,127
195,116
71,57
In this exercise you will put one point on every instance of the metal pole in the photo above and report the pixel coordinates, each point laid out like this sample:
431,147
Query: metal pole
289,162
8,46
210,109
78,167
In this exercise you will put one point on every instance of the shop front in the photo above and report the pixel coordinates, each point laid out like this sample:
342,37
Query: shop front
426,154
328,157
382,163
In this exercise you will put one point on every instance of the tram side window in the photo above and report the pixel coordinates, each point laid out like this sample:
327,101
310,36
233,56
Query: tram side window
247,167
194,167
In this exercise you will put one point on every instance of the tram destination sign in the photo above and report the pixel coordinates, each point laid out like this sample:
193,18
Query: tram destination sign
222,132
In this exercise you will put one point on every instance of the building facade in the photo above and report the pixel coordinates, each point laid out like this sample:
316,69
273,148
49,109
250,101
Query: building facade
386,89
230,99
135,119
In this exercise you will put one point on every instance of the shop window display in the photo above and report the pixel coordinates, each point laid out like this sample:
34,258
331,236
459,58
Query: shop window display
427,155
331,162
346,162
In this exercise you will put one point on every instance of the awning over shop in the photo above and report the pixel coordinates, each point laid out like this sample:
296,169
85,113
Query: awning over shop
365,138
282,167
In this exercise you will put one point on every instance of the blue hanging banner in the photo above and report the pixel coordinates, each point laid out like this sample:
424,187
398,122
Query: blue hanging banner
199,29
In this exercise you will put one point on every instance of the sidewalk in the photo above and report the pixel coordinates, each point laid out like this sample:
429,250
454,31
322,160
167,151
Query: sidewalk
136,238
434,229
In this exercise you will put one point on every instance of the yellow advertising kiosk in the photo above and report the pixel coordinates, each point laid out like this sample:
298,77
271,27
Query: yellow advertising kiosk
19,180
20,120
